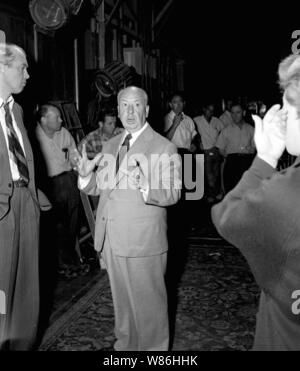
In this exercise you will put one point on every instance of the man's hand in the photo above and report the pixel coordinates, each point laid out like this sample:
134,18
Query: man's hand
81,163
177,119
269,135
136,177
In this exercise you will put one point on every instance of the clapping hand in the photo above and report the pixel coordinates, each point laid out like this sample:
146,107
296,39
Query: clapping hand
82,164
269,134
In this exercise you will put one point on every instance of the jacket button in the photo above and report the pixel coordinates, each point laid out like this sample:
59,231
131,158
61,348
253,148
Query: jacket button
103,218
9,185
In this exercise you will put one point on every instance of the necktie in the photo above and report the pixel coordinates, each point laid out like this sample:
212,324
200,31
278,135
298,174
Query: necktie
14,146
123,150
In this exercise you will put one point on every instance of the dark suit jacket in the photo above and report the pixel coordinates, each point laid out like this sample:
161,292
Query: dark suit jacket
261,217
5,172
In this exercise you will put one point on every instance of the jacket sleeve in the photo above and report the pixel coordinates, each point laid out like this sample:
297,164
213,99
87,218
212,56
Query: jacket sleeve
165,179
255,217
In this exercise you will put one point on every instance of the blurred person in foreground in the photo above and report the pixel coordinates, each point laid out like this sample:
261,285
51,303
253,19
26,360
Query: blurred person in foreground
261,217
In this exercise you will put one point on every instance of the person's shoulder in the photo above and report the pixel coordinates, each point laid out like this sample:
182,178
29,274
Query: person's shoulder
64,131
161,141
226,129
198,118
216,121
17,106
188,118
249,126
118,131
115,140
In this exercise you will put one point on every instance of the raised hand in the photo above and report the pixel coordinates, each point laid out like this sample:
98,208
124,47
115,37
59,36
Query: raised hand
177,119
269,135
82,164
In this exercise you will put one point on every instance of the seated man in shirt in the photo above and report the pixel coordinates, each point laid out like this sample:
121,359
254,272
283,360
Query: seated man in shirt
209,128
107,129
236,144
55,144
179,128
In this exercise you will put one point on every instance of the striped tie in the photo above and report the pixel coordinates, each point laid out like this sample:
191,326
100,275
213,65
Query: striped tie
15,149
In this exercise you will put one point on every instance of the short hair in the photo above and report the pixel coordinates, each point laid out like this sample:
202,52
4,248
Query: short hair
237,103
8,53
107,112
177,94
207,104
133,87
289,79
42,111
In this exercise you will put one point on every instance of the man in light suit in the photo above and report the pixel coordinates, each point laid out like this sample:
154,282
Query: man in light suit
131,222
19,212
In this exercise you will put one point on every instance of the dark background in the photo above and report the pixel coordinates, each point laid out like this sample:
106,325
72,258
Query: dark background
232,49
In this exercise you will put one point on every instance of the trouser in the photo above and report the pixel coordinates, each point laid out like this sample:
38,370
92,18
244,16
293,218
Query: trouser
64,195
235,166
19,278
212,172
140,301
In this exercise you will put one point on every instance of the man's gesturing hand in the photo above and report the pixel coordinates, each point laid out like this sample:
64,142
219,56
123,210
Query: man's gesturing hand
82,164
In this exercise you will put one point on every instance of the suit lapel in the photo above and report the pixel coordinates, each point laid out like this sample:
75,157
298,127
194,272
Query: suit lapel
27,147
3,146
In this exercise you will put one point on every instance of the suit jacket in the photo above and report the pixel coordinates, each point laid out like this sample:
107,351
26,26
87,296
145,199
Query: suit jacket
136,227
6,187
261,217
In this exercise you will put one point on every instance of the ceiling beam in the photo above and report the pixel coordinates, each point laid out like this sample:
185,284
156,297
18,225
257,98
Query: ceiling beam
115,8
162,13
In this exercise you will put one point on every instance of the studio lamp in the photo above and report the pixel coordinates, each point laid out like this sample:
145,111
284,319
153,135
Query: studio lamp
50,15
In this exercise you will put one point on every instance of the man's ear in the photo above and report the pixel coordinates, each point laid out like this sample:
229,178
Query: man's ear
147,111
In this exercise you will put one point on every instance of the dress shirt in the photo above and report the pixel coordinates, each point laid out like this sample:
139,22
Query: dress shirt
13,167
209,131
235,139
184,133
52,148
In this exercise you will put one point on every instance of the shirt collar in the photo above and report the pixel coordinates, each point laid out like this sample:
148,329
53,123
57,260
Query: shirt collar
137,133
10,101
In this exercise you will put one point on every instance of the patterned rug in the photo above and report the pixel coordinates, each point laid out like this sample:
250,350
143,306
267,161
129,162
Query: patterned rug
216,304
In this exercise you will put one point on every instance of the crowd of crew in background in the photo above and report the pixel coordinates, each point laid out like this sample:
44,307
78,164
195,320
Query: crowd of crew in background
224,137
